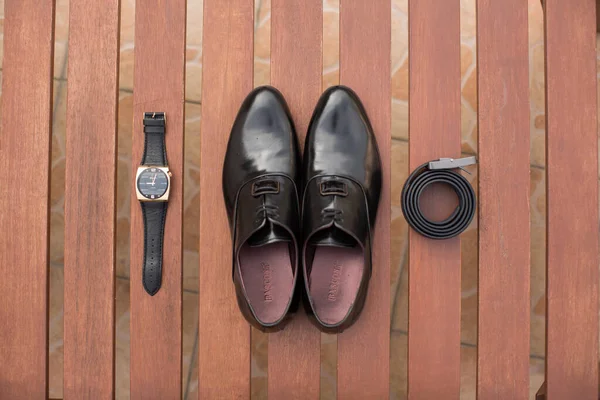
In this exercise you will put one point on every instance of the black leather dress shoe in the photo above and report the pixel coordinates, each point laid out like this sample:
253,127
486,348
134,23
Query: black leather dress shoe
342,172
259,186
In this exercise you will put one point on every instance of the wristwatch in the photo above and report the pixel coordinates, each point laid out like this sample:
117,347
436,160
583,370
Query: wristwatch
152,184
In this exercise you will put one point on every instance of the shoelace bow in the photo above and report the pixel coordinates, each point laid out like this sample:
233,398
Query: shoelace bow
267,211
332,214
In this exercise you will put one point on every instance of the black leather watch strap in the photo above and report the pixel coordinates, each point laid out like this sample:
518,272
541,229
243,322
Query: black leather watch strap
154,214
155,152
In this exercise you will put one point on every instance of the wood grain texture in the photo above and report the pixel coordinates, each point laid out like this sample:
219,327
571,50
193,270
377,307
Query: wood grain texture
90,193
227,75
296,68
365,48
503,323
597,14
572,201
434,266
24,196
159,85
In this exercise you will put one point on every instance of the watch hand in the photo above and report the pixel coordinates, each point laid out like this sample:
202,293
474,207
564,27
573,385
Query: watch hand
154,179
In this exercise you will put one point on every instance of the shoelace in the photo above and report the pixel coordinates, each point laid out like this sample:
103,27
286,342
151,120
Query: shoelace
333,214
266,211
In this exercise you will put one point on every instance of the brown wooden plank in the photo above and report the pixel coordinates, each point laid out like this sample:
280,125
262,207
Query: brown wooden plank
156,321
572,201
597,14
227,75
503,323
90,193
24,196
296,70
434,266
364,349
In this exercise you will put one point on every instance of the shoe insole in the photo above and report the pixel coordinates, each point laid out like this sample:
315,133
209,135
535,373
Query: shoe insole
334,281
268,279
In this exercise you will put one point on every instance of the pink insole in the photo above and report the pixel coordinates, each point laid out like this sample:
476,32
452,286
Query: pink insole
334,281
268,279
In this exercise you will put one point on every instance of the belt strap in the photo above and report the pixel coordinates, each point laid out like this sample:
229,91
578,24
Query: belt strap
439,171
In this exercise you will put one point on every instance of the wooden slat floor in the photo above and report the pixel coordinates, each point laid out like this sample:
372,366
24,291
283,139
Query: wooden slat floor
399,167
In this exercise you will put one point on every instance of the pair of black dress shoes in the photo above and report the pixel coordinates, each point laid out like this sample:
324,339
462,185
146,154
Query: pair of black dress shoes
302,229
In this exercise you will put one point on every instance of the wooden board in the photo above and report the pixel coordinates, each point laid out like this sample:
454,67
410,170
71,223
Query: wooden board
156,321
227,75
90,193
364,349
296,70
503,323
572,201
434,266
24,196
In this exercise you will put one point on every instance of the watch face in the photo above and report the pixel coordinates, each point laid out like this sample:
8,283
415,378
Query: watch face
153,183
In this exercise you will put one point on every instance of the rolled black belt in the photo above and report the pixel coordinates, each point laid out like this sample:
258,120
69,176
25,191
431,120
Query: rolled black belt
439,171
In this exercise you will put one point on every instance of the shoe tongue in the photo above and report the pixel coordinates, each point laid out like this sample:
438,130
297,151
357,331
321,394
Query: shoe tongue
269,233
333,237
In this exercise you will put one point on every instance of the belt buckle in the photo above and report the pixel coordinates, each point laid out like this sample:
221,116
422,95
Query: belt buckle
451,163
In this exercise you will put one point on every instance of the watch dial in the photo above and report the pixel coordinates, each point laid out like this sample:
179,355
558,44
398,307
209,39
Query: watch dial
153,183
